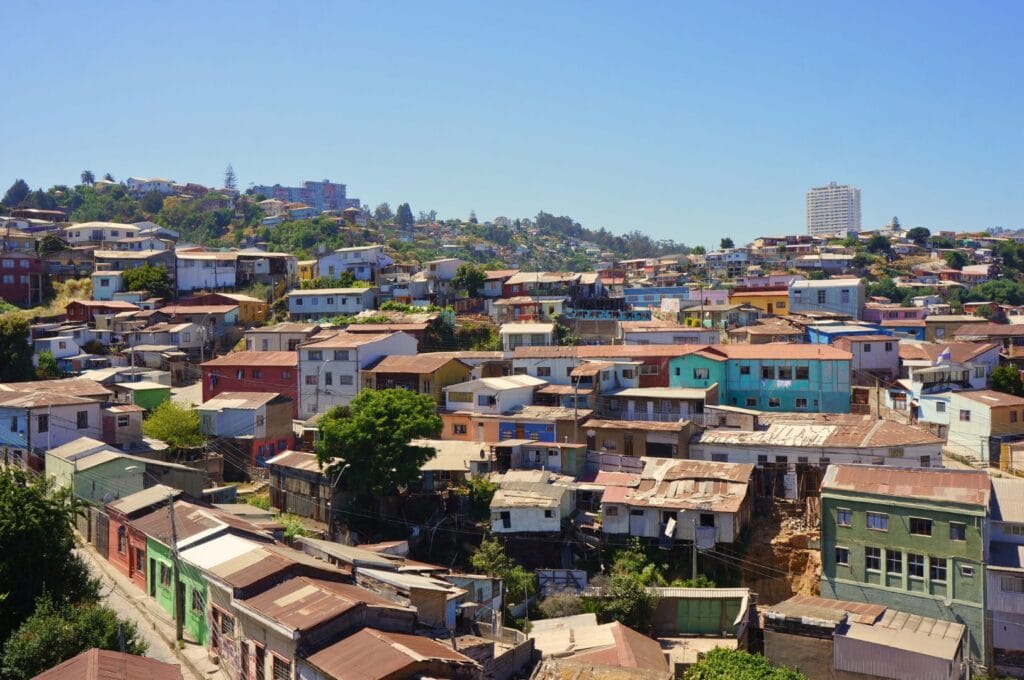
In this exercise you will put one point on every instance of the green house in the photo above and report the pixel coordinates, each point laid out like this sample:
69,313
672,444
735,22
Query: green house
911,539
147,395
159,585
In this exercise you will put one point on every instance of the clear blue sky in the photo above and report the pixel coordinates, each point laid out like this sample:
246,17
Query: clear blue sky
684,120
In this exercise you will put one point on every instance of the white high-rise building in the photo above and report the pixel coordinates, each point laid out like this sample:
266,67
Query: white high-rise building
834,209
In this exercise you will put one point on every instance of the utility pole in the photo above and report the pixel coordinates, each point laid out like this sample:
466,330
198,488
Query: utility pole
176,586
693,556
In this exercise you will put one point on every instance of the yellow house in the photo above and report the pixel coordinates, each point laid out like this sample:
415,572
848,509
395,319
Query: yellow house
770,301
308,270
424,373
250,310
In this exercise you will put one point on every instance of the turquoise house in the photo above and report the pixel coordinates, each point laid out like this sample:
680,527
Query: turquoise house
770,377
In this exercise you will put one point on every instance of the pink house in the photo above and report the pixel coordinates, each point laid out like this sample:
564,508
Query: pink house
878,312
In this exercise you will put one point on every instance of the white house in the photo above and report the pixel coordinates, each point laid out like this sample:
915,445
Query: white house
330,365
37,421
189,337
838,296
140,186
365,262
63,346
678,499
322,303
527,335
98,232
530,501
664,333
980,421
492,395
201,270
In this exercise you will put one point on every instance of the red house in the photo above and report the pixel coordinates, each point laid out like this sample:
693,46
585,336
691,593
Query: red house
253,372
127,545
85,311
21,279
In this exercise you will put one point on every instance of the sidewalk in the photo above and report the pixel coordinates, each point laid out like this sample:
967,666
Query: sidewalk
155,625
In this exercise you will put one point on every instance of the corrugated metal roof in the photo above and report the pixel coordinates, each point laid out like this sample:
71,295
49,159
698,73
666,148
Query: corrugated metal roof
820,610
829,430
246,359
417,363
371,654
971,487
1007,499
143,499
298,460
302,603
100,664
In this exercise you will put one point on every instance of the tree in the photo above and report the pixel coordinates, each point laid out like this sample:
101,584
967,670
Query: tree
147,277
46,365
490,559
472,217
382,213
37,548
726,243
50,244
878,244
175,425
1007,379
15,349
230,180
55,633
895,224
956,259
403,217
733,664
153,202
698,250
108,177
17,193
470,277
373,437
919,235
88,179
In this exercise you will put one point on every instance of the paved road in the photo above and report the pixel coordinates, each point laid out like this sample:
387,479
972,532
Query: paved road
121,601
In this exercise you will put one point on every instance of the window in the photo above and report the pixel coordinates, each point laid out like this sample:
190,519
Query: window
940,407
867,346
842,556
122,540
844,516
611,511
707,519
240,374
257,373
937,568
1013,416
341,355
877,521
701,373
893,562
486,400
774,402
888,347
920,527
965,415
328,378
286,375
123,421
330,301
282,668
82,418
43,423
462,397
872,558
311,380
548,514
979,371
751,402
785,373
649,369
915,565
762,459
458,429
800,402
957,531
844,295
260,420
198,605
543,371
767,373
967,572
720,457
744,370
314,355
1011,584
803,373
344,379
298,302
165,575
140,561
265,345
821,297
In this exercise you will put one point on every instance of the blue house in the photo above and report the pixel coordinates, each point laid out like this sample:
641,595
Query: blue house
826,334
836,296
770,377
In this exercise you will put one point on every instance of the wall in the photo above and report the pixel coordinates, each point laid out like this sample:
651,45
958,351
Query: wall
159,555
811,656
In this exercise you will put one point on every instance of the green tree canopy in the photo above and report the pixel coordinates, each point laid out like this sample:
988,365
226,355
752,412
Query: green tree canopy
16,194
88,178
230,179
382,213
1007,379
153,202
404,217
726,243
175,425
698,250
46,365
55,633
15,349
956,259
36,548
147,277
372,436
470,277
878,244
734,664
490,558
919,235
50,244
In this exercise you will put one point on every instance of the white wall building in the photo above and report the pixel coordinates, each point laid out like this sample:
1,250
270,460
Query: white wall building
205,271
98,232
833,209
492,395
320,303
365,262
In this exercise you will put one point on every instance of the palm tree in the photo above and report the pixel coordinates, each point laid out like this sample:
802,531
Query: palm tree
108,177
88,178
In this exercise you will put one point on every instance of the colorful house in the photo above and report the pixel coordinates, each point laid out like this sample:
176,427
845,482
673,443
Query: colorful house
770,300
424,373
771,377
127,546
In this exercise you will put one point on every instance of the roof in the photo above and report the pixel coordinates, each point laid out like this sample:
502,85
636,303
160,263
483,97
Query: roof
541,277
143,499
951,318
825,283
342,340
286,327
1007,499
960,352
417,363
874,337
673,483
990,330
239,400
37,399
452,456
526,328
647,425
350,554
821,430
508,382
101,664
329,291
820,610
371,654
579,639
663,392
780,350
287,359
605,351
297,460
591,368
189,519
175,310
970,487
500,273
105,304
535,495
991,398
302,603
912,633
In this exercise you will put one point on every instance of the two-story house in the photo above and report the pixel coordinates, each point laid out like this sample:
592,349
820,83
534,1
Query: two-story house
910,539
324,303
256,424
515,335
980,421
424,373
189,337
253,371
284,337
365,262
1004,574
492,395
837,296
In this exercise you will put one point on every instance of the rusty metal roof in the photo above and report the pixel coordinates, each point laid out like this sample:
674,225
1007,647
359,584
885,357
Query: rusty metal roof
959,352
674,483
416,363
256,359
100,664
302,603
820,610
970,487
371,654
991,398
189,520
828,430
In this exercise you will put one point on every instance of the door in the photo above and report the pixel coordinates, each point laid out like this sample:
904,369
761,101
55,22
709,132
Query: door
152,577
637,523
627,444
506,519
771,308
